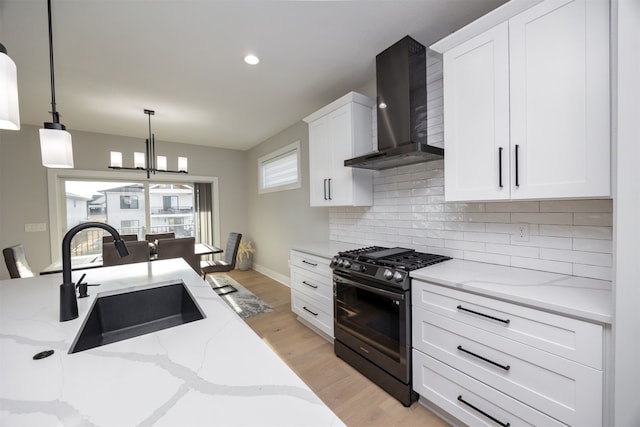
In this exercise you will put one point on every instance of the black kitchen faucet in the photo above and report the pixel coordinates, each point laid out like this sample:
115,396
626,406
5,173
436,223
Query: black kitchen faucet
68,301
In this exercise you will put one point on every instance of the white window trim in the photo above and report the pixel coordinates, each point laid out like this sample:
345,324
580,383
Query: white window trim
57,219
279,152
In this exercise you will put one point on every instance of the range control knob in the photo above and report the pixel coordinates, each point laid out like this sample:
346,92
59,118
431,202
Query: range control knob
398,277
346,263
388,274
340,261
334,261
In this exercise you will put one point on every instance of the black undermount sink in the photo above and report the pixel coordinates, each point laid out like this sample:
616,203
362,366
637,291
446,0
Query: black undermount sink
121,316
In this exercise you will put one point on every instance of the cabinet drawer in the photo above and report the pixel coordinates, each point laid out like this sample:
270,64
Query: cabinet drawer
444,386
563,389
311,263
566,337
311,311
314,285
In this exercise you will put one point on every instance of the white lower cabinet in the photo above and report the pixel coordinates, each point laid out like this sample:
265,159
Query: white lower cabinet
519,365
471,401
312,291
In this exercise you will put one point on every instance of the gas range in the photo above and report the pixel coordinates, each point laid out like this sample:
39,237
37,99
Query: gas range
389,267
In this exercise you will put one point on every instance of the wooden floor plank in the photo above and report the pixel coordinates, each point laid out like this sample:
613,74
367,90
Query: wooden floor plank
350,395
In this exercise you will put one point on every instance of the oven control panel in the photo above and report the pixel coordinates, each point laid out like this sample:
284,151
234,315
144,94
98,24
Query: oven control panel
374,271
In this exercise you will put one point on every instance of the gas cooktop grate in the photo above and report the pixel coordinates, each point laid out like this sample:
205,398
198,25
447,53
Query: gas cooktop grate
399,258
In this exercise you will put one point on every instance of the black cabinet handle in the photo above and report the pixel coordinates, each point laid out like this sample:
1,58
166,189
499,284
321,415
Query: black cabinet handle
505,321
500,167
310,263
310,285
517,173
495,420
315,314
330,188
505,367
324,188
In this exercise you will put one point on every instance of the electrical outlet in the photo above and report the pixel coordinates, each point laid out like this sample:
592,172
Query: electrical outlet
31,228
521,233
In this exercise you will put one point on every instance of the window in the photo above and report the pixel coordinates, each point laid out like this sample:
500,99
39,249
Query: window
130,226
280,170
170,203
169,207
98,199
128,202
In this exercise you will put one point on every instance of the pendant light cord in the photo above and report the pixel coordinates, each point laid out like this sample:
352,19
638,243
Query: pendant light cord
54,113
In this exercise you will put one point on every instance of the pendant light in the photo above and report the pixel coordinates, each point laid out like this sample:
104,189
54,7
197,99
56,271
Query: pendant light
148,161
9,111
55,141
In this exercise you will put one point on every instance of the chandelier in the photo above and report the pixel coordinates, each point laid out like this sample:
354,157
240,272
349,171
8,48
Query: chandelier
148,161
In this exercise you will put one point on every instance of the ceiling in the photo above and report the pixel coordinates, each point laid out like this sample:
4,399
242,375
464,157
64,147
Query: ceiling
184,59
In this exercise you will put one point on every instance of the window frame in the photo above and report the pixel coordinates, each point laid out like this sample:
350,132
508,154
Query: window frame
273,156
130,205
56,190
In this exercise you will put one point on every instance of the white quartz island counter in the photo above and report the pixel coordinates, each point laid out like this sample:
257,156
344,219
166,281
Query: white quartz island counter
211,372
580,297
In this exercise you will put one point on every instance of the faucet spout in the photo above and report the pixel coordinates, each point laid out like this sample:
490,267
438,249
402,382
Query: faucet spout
68,301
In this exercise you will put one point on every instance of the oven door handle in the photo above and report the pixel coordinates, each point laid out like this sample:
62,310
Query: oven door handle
338,278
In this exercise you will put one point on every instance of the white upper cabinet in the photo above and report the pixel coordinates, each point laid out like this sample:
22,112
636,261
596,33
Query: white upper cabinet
337,132
476,112
526,106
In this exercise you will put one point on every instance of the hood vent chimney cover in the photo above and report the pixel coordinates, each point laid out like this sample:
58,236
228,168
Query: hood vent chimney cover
401,81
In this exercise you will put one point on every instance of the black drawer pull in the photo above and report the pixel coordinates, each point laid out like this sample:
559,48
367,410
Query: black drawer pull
495,420
505,367
310,285
500,167
517,172
306,309
310,263
505,321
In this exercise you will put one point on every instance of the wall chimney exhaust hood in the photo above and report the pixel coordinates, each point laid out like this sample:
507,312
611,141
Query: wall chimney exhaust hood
401,83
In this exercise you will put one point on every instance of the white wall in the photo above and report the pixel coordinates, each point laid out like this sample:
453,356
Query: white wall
627,215
569,237
115,214
76,210
280,219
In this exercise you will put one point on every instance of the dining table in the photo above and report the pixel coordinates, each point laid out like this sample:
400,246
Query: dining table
85,262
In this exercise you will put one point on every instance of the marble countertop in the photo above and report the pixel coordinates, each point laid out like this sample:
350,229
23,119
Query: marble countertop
326,249
214,371
579,297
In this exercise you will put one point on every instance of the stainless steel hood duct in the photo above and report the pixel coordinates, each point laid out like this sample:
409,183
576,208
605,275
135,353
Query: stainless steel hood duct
401,83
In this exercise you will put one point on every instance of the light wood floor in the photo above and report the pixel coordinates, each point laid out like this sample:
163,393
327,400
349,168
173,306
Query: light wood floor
351,396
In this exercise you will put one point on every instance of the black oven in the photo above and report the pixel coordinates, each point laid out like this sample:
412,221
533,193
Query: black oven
372,325
372,314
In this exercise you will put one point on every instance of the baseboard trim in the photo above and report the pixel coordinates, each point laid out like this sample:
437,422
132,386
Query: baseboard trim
272,274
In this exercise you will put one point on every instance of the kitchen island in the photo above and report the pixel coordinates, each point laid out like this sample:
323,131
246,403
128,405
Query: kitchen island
213,371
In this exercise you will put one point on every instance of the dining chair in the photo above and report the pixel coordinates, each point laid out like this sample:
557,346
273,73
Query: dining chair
16,261
138,252
182,247
152,237
125,237
229,261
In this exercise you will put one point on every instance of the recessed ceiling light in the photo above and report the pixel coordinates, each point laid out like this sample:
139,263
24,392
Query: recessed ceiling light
251,59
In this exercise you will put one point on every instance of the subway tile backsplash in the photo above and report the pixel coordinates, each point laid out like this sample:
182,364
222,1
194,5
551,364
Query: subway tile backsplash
564,236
